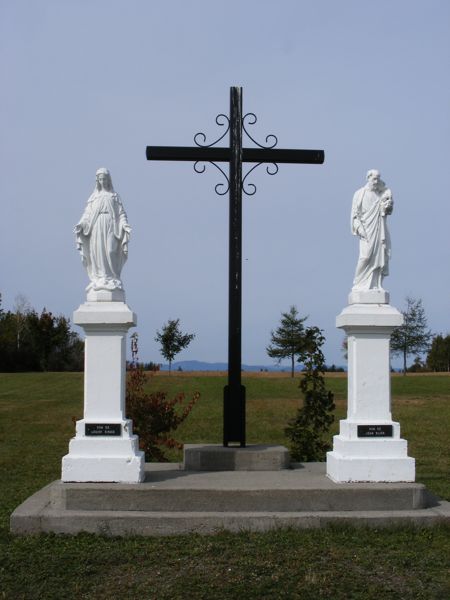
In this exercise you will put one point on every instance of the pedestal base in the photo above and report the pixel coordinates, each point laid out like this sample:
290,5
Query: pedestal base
104,458
106,296
104,448
347,469
369,447
103,469
368,297
381,455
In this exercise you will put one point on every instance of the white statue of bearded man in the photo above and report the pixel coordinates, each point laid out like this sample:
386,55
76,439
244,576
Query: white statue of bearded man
371,204
102,236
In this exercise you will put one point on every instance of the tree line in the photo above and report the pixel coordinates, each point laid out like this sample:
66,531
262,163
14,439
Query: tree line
289,341
32,341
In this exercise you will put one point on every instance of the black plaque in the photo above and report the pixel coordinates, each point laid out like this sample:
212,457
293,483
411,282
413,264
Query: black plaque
375,431
103,429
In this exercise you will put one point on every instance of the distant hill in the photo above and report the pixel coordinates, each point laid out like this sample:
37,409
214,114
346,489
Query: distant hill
198,365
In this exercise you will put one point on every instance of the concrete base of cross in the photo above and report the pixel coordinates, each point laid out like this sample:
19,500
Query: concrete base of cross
213,457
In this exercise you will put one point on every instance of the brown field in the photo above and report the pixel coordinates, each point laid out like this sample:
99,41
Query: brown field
278,374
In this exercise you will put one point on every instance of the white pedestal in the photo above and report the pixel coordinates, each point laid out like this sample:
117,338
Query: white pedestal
369,447
104,447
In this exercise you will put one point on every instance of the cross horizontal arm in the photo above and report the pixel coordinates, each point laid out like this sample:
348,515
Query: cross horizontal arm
251,155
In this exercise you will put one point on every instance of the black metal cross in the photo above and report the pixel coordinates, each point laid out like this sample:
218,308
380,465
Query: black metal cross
235,155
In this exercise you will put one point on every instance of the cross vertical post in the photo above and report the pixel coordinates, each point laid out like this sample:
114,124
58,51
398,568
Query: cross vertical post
235,155
234,392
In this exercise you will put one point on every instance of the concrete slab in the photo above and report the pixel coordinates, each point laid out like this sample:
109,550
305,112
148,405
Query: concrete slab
304,488
172,501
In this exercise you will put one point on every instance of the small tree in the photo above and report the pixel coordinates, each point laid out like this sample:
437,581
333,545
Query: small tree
315,417
418,366
172,340
438,358
413,337
288,340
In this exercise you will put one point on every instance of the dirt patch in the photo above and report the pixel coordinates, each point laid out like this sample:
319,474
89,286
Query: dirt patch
409,401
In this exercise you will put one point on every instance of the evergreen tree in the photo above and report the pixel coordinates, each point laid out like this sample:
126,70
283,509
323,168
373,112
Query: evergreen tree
22,308
438,358
172,340
315,417
288,340
413,337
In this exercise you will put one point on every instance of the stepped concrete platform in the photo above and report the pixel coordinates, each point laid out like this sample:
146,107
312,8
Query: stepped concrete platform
174,501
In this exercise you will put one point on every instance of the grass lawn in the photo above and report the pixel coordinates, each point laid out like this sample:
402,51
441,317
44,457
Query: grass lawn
36,411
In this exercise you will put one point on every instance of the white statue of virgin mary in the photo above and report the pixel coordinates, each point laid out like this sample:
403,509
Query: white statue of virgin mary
102,236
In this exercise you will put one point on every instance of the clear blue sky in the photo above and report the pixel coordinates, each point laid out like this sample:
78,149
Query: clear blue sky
91,83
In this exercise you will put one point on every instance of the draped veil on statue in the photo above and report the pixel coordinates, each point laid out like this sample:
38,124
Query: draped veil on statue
102,237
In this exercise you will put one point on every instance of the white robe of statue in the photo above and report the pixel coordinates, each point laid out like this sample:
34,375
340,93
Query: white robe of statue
102,236
371,205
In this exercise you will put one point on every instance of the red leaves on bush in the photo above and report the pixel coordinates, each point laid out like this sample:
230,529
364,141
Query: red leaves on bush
154,415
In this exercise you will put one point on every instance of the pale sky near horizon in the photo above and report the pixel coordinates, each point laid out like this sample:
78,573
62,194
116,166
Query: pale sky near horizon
92,83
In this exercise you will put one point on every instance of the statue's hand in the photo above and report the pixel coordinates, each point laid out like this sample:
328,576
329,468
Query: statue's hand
361,232
79,227
126,237
389,208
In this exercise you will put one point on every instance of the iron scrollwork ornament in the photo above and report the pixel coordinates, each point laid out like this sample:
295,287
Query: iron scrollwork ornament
200,141
223,121
249,189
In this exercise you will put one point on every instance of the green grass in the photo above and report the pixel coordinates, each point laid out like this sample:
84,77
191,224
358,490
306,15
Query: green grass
36,413
335,563
421,404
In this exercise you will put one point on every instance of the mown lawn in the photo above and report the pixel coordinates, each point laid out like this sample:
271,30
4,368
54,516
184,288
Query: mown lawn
36,413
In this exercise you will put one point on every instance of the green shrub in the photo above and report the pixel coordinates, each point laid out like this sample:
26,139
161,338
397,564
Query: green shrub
313,420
